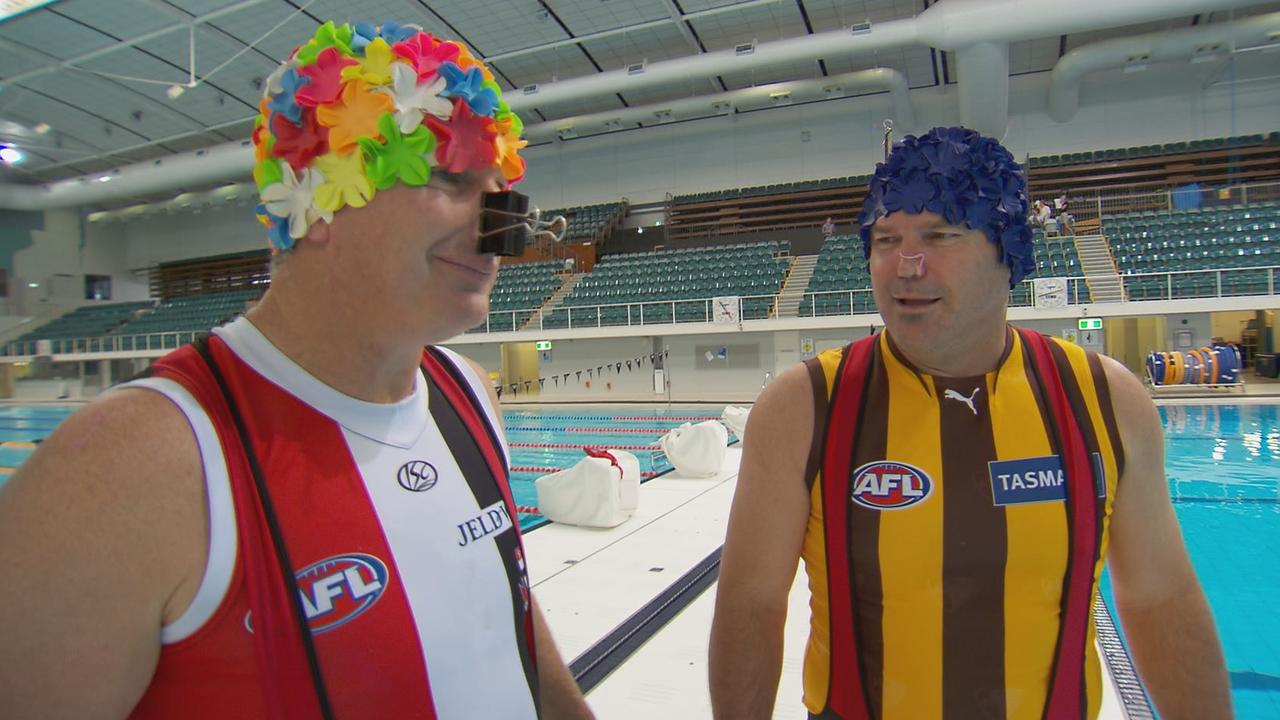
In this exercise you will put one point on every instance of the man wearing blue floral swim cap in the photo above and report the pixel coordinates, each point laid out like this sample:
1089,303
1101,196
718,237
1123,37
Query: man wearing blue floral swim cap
954,486
306,513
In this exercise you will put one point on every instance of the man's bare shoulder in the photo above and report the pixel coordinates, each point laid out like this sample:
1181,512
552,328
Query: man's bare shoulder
103,530
782,415
128,459
1135,412
131,428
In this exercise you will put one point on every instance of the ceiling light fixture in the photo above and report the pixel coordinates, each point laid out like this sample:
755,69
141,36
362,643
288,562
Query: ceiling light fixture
1136,63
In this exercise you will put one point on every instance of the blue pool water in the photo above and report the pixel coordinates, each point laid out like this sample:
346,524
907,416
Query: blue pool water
1223,463
541,440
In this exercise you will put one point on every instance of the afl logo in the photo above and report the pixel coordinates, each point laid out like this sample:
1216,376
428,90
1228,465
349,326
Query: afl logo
336,590
417,476
887,485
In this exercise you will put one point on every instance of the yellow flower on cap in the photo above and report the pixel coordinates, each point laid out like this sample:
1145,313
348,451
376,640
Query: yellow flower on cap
345,182
375,67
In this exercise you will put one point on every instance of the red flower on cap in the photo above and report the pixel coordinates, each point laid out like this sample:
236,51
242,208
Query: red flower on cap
466,142
299,144
425,53
326,78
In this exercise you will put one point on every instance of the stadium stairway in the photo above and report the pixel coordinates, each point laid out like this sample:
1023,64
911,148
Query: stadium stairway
1100,274
571,281
794,286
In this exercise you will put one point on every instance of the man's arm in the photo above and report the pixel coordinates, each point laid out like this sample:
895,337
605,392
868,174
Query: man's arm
1162,608
761,550
103,538
559,693
561,699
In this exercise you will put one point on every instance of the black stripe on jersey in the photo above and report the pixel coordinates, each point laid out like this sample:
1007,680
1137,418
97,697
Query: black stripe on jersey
201,346
821,411
478,403
466,451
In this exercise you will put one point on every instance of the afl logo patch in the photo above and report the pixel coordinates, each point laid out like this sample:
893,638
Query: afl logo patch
887,485
336,590
417,476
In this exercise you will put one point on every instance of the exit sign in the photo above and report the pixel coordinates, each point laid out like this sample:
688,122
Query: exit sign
542,345
1090,323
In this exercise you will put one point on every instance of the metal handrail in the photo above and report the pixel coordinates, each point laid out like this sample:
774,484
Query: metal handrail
665,312
102,343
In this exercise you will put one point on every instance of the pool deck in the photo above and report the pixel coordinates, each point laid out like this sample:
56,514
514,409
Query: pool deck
590,581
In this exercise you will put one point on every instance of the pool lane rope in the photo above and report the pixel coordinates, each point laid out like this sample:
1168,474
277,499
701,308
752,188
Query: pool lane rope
646,474
573,446
619,418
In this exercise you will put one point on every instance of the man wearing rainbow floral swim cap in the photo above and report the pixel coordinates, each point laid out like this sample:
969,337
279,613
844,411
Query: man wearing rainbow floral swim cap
305,514
953,486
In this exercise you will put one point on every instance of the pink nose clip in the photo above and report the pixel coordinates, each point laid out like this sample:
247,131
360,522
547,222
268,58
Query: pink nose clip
910,265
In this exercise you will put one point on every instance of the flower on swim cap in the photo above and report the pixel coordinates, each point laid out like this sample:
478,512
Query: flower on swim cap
357,110
968,179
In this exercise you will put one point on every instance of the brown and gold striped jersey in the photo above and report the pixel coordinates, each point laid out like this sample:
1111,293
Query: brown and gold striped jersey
974,517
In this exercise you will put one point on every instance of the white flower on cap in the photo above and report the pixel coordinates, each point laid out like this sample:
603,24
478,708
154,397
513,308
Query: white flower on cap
413,101
292,197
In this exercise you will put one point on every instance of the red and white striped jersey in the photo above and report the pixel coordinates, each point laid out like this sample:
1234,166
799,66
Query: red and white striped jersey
399,530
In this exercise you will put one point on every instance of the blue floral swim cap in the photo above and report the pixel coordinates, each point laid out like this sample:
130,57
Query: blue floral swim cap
968,179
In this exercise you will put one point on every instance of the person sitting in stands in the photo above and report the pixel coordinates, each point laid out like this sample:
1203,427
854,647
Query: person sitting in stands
1040,214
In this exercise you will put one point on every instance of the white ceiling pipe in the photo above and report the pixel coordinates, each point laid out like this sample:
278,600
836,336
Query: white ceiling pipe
949,26
220,162
761,96
984,81
1172,45
678,72
954,24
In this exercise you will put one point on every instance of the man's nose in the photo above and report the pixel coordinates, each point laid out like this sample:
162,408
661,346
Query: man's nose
911,258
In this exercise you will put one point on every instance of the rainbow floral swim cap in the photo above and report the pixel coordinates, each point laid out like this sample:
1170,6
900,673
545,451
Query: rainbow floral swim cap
356,110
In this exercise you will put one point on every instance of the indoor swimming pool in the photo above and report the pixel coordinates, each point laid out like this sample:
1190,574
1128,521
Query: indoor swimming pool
1223,463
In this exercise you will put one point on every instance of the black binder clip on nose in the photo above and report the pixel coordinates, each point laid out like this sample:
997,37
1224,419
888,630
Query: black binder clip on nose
506,223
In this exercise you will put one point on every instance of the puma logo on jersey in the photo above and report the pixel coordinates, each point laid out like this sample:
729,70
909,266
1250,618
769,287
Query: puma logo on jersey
954,395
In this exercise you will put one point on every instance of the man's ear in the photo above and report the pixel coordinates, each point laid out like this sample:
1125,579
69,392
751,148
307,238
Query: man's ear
319,232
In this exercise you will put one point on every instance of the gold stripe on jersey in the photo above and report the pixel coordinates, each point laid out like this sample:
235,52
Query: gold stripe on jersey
1036,547
911,551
